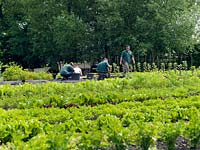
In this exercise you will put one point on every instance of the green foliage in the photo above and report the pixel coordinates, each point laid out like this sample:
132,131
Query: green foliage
153,107
192,131
192,68
15,72
163,67
69,33
80,30
58,76
175,67
154,67
170,134
139,67
185,65
145,66
169,66
145,136
115,68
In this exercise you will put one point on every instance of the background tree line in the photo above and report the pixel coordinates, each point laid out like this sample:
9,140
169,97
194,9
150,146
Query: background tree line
34,33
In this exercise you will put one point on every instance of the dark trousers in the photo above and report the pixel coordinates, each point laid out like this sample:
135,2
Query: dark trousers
103,75
66,75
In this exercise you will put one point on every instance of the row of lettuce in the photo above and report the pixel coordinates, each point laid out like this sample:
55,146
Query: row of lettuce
139,87
144,110
123,126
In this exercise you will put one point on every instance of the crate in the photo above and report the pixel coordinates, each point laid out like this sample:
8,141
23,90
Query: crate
45,69
75,76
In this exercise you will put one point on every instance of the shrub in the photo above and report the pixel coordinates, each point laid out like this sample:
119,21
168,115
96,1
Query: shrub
16,72
58,76
13,72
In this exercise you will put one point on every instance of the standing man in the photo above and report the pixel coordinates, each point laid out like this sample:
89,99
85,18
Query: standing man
103,69
126,59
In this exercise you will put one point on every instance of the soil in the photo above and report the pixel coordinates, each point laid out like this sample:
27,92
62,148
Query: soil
20,82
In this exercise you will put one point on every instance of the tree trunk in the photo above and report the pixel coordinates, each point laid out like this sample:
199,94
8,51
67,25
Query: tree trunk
69,6
106,51
1,11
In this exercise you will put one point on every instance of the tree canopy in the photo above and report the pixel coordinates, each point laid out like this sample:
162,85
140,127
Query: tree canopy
34,33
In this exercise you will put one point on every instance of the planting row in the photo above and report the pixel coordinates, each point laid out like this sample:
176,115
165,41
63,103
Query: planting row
162,124
138,87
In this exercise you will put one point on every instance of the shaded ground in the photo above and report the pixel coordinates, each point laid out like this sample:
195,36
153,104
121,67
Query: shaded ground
20,82
180,144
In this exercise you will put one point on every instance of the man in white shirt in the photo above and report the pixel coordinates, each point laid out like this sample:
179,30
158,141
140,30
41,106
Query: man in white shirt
77,69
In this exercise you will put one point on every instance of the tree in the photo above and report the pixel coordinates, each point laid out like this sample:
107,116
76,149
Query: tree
14,38
69,33
160,25
39,32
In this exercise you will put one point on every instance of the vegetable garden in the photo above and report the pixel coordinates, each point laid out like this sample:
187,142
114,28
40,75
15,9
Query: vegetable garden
149,110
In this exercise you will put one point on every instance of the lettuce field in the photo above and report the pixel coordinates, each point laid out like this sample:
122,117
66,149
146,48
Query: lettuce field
151,110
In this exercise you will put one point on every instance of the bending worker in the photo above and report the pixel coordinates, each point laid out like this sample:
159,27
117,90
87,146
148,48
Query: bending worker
67,70
103,69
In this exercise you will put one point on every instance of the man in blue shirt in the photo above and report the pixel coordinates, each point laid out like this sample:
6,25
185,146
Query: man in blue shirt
67,70
103,69
126,59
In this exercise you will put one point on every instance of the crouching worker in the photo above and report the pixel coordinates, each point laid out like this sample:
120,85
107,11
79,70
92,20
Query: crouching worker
103,69
67,70
77,70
